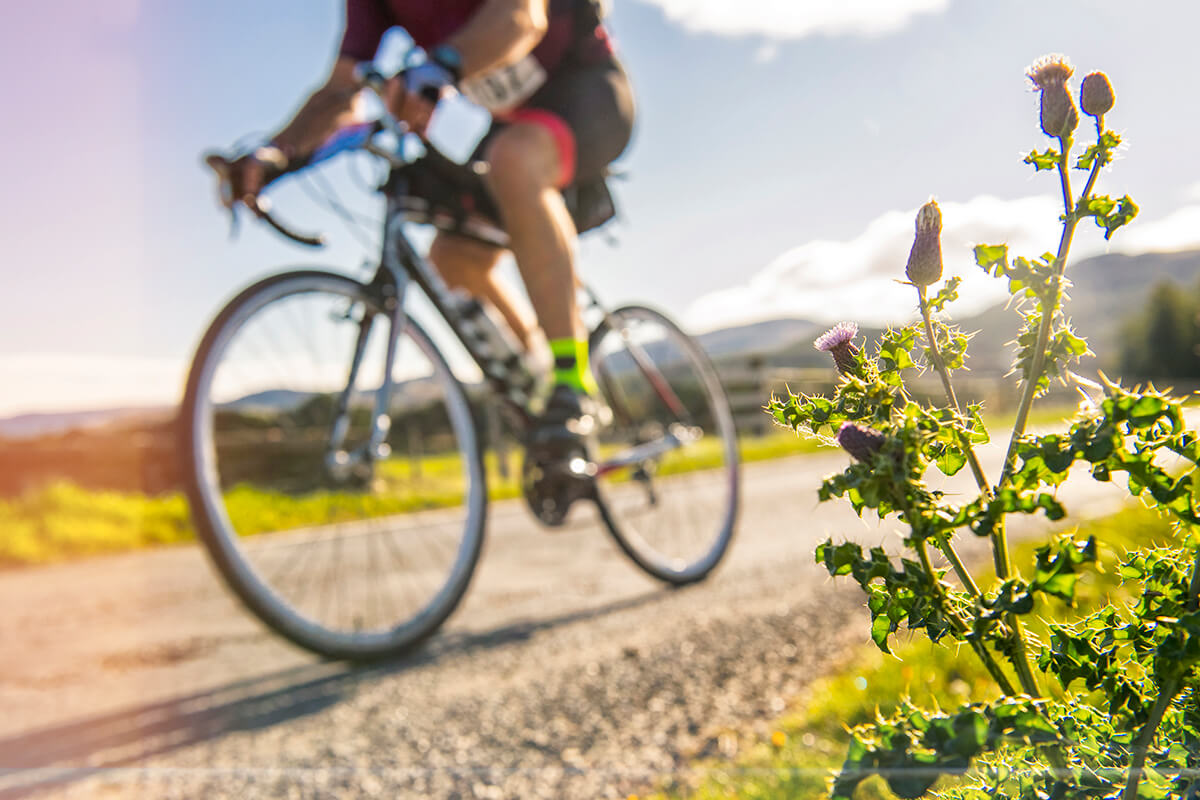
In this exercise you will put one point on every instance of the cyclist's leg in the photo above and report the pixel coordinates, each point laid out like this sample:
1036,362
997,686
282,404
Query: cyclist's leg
570,130
470,265
526,165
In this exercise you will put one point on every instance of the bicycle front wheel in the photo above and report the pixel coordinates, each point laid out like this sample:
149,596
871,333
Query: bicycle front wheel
668,485
350,544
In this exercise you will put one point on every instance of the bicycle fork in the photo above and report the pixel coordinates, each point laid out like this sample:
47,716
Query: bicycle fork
344,465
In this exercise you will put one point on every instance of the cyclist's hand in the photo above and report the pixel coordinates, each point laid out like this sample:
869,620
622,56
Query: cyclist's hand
245,177
413,94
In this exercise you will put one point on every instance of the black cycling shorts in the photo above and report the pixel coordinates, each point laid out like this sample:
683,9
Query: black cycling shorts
589,109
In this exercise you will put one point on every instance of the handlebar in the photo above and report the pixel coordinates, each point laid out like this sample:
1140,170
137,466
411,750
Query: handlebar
258,206
367,77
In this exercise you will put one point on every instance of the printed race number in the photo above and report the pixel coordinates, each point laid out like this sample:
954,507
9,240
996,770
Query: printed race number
505,87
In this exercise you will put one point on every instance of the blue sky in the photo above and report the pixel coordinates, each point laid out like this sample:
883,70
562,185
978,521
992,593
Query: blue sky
782,149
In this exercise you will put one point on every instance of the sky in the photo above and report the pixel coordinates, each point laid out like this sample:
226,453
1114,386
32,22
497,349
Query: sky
782,149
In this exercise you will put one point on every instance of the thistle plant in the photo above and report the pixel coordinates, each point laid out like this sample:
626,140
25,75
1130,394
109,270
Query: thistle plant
1103,705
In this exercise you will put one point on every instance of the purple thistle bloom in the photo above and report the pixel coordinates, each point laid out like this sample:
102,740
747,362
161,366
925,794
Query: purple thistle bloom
860,441
1049,76
838,342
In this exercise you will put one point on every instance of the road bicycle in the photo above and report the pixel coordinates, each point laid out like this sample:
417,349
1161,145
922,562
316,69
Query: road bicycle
334,461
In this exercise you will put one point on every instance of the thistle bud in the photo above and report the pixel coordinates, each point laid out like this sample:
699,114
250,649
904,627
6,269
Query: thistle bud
1058,116
860,441
1096,95
1049,76
925,259
838,342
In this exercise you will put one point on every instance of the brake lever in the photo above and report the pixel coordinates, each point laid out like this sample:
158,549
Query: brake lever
221,167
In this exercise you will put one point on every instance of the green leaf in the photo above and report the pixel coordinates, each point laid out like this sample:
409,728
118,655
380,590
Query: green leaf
951,461
1057,566
1101,151
1047,159
1124,214
992,258
946,295
881,627
1109,214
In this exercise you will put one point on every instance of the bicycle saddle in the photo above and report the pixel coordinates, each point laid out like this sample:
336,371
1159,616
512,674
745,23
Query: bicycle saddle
454,197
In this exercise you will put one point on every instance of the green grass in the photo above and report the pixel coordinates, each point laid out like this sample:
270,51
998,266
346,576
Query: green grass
62,521
810,740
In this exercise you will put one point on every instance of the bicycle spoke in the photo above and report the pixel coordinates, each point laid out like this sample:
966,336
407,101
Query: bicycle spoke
303,535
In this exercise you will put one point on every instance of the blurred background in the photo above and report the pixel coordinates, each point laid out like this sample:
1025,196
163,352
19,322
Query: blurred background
781,152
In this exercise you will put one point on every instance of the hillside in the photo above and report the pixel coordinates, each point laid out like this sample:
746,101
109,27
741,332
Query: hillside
1107,290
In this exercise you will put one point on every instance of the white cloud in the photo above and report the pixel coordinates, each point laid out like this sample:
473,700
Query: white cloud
827,281
1179,230
66,382
796,19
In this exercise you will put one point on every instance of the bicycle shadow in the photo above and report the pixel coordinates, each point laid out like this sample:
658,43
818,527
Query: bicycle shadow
63,754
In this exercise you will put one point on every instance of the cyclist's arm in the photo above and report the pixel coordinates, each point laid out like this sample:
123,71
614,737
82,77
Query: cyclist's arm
330,108
500,32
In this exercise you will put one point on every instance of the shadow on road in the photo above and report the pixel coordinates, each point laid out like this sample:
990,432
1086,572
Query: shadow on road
73,751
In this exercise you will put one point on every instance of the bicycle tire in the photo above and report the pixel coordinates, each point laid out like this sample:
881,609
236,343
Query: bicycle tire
701,476
252,435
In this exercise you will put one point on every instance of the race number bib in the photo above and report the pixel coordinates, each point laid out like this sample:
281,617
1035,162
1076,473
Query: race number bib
505,87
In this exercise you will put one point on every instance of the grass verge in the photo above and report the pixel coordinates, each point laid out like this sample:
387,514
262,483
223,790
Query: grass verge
809,741
62,521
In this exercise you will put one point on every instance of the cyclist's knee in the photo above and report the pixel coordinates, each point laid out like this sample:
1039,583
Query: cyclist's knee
459,259
523,157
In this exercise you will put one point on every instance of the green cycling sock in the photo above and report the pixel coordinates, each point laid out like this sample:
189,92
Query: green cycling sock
571,365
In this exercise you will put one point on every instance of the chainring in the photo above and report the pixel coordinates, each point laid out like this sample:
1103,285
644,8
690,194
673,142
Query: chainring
550,486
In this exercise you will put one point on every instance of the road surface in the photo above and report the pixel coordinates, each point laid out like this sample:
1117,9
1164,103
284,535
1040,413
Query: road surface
565,673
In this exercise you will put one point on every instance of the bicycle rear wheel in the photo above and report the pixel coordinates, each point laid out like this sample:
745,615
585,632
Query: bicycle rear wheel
349,550
668,485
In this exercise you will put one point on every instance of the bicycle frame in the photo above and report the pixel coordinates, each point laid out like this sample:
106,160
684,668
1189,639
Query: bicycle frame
400,266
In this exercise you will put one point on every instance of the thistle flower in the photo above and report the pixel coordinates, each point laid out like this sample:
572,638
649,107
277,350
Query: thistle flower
1096,95
1049,76
925,259
860,441
838,342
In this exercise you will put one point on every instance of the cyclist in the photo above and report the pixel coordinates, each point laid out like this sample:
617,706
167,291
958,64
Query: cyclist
562,110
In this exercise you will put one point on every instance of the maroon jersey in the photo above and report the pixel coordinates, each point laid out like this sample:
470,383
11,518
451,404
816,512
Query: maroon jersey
574,28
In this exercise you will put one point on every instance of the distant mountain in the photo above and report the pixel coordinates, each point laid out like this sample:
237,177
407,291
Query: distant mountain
31,426
1106,291
757,337
271,400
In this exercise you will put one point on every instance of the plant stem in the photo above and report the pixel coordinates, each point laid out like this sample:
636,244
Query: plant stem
1060,263
960,569
980,649
1050,309
1146,737
939,364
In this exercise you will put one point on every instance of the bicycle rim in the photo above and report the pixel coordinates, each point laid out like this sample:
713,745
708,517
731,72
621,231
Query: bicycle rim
673,511
349,559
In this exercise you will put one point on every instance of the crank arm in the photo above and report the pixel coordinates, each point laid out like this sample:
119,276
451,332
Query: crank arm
677,436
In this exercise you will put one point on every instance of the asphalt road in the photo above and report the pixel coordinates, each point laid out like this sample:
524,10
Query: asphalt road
565,673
